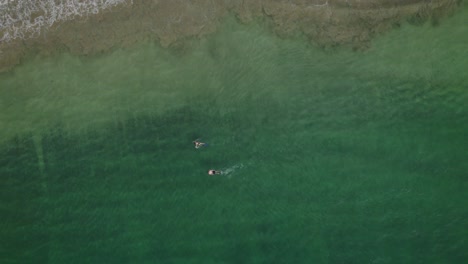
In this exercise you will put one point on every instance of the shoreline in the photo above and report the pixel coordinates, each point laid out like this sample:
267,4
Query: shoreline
326,23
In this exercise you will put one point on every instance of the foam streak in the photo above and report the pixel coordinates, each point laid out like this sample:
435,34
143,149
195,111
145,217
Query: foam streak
28,18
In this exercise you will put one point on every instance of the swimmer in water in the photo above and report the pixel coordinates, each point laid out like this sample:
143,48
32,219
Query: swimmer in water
198,144
214,172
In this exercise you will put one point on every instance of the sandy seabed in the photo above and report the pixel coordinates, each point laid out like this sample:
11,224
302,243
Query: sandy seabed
326,23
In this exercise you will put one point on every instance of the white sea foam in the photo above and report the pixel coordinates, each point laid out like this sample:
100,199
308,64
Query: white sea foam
28,18
229,171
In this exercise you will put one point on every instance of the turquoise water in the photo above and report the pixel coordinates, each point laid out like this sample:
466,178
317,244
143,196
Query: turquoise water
330,156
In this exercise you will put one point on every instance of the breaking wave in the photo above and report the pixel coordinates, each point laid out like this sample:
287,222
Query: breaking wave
27,18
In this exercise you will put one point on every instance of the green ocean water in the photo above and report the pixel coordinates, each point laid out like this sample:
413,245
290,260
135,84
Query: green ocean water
329,156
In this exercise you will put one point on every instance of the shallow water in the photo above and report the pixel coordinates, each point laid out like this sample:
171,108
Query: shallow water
333,156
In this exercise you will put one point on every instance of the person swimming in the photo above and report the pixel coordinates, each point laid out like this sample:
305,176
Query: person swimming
198,144
214,172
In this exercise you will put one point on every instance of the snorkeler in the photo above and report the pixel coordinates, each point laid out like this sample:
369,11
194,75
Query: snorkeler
198,144
213,172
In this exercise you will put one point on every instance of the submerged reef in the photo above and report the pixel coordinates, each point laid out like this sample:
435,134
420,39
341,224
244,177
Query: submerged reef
87,27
